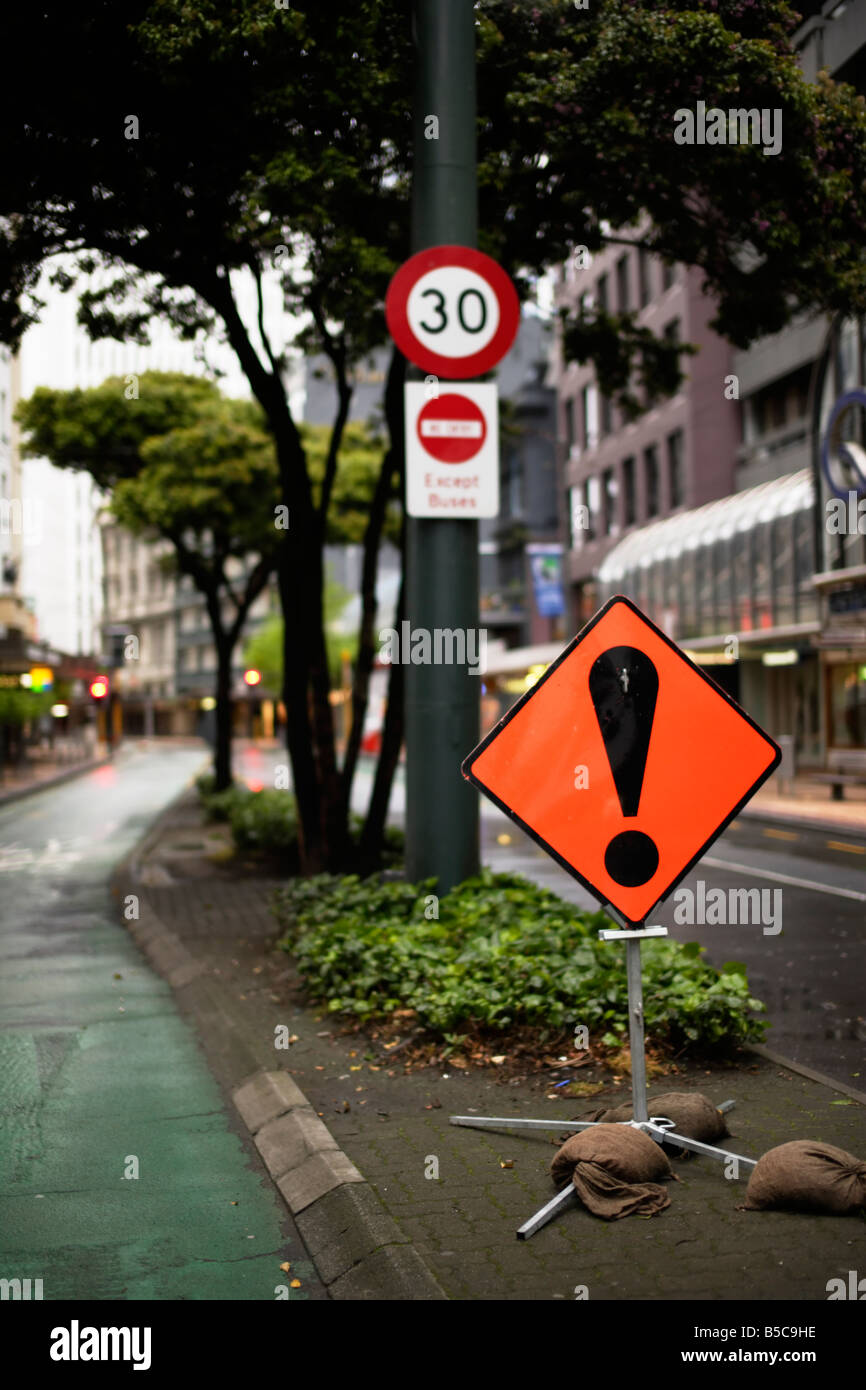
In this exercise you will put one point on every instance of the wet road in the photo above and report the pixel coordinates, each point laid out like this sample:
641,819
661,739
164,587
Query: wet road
122,1173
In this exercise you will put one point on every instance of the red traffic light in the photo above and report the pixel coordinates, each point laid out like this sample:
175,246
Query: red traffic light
99,687
253,677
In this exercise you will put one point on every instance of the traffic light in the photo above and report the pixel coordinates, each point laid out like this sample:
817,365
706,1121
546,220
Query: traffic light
99,687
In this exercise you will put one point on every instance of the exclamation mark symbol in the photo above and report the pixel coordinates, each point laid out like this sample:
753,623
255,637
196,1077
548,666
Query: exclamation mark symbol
623,685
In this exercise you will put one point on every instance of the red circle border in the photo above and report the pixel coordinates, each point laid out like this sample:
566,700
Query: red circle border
397,299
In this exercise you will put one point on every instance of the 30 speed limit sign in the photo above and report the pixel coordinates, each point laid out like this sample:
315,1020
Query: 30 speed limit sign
452,311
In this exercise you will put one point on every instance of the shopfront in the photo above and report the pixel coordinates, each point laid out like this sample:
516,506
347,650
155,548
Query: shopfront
840,473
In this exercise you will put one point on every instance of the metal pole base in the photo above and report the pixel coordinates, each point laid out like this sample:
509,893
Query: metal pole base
658,1128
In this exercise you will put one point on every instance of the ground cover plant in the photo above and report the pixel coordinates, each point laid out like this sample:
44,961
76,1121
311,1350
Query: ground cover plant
498,955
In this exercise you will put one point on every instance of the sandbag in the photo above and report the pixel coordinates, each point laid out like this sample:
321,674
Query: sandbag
806,1175
615,1171
692,1113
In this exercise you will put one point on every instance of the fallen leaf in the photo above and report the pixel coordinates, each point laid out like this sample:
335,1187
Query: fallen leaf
355,1068
286,1267
497,1061
117,977
584,1088
257,969
234,1204
506,1163
295,1284
293,1038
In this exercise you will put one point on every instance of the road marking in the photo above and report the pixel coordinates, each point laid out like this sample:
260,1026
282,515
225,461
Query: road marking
781,834
784,878
849,849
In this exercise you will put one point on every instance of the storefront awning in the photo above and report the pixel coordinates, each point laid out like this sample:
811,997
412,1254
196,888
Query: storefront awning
667,539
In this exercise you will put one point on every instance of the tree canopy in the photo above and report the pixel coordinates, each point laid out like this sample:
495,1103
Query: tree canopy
181,148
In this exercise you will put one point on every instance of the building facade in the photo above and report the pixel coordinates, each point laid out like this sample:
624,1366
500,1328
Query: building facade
623,475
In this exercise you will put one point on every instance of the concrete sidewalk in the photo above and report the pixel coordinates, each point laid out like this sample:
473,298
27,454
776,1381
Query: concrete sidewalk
454,1197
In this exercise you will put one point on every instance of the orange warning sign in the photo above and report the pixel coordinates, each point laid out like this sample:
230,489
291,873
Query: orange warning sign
624,761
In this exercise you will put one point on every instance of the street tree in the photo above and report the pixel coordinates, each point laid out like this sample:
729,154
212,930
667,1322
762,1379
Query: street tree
187,466
185,149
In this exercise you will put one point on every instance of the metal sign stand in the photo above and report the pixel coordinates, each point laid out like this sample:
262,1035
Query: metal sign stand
658,1128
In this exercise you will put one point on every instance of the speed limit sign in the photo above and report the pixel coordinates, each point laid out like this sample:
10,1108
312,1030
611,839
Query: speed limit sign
452,311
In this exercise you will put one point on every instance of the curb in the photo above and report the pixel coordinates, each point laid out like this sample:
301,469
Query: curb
808,1072
803,822
358,1249
18,793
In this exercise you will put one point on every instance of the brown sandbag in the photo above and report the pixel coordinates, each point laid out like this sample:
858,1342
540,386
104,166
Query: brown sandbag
805,1175
615,1170
693,1114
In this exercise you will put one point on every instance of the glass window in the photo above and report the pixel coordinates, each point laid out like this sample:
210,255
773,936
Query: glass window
761,542
629,502
589,397
577,517
784,610
688,594
606,413
742,581
570,436
651,474
707,623
593,506
601,293
804,567
676,481
727,622
848,706
669,275
609,491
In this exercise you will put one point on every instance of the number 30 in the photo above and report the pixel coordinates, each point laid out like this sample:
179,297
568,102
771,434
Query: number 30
443,317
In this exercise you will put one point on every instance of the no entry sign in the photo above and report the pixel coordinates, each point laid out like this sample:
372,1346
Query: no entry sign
452,428
452,311
452,451
624,761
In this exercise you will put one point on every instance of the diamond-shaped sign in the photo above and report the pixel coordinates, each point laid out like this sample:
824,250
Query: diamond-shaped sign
624,761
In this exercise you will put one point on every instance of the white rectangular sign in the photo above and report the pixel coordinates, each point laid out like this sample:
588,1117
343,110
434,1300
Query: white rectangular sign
452,450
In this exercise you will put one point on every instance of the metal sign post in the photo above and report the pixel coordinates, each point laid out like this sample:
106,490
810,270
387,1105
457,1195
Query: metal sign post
659,1127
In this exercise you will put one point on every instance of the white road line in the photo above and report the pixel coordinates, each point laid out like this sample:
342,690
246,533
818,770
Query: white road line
785,878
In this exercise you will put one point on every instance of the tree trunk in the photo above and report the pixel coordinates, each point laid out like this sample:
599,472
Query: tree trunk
373,835
222,761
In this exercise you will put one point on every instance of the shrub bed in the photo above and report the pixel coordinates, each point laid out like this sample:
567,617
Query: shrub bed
267,822
502,954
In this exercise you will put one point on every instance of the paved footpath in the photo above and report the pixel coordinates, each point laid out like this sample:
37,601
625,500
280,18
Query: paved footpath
124,1172
458,1195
